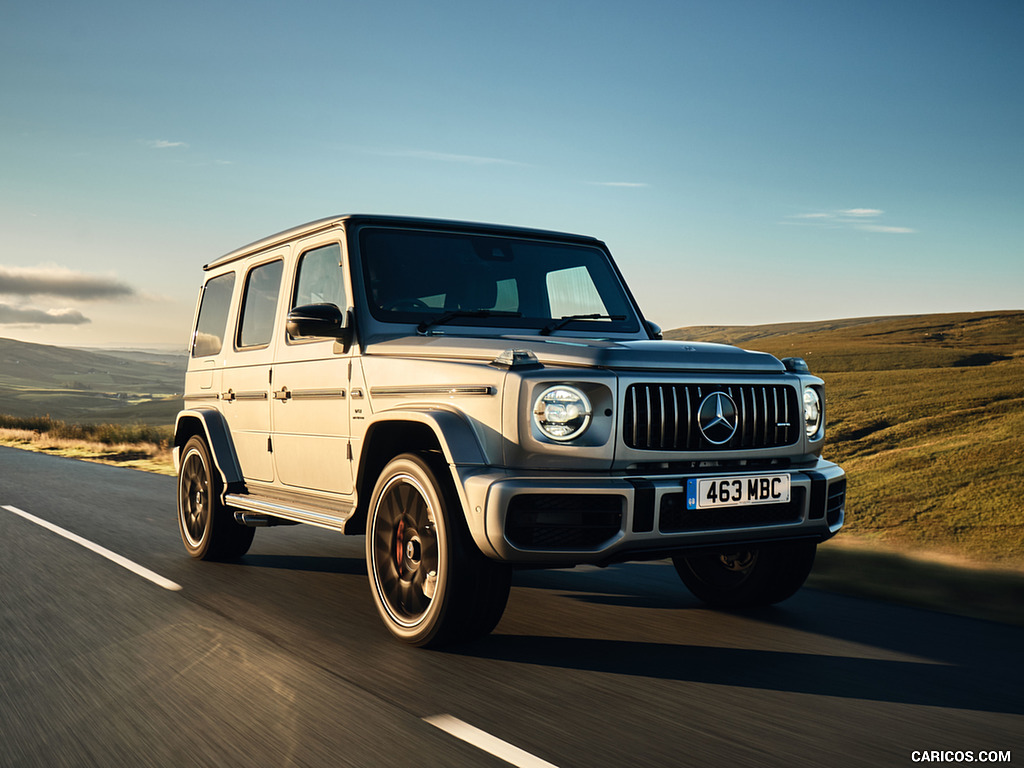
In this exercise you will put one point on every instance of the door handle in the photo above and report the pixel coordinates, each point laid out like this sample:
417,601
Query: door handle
283,394
229,395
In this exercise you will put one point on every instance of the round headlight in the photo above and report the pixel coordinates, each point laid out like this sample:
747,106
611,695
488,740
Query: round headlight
812,411
562,413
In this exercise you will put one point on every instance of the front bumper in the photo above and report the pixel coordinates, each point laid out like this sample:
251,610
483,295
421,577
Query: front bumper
555,518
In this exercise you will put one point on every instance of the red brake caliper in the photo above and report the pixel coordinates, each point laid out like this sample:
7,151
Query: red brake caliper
399,544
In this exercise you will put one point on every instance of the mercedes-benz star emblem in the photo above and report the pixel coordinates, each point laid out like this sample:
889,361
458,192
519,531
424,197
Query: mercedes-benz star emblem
717,418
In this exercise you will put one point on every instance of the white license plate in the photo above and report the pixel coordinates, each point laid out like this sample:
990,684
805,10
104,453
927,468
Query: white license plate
704,493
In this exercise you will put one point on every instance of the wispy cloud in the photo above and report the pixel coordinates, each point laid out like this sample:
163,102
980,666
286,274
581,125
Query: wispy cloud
164,144
861,213
889,230
621,184
65,283
443,157
29,316
862,219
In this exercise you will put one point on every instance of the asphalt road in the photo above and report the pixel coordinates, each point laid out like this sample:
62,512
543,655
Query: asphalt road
280,659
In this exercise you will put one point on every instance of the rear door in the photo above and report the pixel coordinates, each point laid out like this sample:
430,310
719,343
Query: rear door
245,383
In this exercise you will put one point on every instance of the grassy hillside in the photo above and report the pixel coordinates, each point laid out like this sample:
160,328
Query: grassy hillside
926,413
90,386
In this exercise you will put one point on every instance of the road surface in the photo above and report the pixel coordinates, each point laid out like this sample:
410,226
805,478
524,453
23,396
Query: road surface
280,659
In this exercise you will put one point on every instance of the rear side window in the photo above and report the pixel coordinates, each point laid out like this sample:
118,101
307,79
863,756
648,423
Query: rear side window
213,315
259,305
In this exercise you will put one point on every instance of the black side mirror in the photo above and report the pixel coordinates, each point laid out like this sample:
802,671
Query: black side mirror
654,330
319,320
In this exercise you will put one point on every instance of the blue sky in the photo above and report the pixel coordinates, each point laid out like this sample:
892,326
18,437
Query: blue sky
747,162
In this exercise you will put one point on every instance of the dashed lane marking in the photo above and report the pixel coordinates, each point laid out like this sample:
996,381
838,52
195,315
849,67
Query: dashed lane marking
484,741
113,557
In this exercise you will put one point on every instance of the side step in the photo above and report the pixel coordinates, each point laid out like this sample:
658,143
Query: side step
250,520
288,509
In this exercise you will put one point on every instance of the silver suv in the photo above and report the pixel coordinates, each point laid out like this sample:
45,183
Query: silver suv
475,398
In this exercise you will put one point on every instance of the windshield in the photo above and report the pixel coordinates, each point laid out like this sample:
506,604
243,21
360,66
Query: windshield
431,278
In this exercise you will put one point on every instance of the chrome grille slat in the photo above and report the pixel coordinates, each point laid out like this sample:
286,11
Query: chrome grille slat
764,401
664,419
675,419
654,419
647,392
636,438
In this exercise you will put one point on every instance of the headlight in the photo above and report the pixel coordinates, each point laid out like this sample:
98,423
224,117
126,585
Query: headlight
562,413
812,411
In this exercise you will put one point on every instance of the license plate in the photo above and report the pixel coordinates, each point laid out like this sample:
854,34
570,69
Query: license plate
704,493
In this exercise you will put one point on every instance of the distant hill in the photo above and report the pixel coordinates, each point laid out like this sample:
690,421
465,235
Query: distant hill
880,343
88,385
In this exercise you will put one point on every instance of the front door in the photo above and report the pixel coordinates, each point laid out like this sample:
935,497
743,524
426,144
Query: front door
310,390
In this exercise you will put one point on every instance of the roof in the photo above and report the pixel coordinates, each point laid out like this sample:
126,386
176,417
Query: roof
330,222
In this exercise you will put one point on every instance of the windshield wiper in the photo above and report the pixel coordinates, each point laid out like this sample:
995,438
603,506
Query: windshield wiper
426,325
550,328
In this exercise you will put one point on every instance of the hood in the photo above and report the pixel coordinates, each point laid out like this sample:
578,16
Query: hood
566,351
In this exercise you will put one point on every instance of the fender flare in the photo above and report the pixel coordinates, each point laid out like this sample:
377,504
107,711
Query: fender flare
214,428
459,443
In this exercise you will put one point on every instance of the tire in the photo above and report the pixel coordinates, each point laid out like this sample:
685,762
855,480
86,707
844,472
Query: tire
207,528
748,577
430,583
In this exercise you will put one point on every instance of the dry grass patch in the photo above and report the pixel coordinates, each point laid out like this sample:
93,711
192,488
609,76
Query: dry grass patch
147,456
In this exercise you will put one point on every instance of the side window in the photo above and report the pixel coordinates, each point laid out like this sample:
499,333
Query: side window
259,305
213,315
320,279
572,292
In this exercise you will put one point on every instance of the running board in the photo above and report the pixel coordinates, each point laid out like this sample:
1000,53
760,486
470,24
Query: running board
249,520
260,511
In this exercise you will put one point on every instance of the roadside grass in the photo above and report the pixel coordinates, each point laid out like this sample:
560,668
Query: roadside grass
127,445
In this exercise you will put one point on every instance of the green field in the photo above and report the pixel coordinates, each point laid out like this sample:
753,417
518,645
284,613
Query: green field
926,414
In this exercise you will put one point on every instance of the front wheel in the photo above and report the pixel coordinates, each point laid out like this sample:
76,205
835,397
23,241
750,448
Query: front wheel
747,577
207,528
430,583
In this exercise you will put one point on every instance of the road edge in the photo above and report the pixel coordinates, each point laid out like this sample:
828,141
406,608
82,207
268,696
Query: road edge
977,592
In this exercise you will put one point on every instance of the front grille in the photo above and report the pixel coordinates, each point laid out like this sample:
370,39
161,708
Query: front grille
551,521
664,417
674,517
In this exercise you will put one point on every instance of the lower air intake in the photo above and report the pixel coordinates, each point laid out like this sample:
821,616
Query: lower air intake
556,521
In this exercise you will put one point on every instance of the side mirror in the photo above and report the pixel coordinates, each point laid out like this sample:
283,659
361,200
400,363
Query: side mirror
319,320
654,330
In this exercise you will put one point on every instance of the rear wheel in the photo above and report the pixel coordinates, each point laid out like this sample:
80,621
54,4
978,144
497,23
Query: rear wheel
207,528
430,583
747,577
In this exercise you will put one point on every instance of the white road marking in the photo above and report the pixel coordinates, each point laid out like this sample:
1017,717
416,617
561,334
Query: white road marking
484,741
113,557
